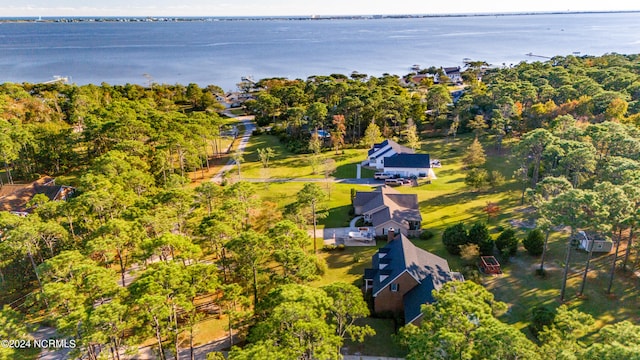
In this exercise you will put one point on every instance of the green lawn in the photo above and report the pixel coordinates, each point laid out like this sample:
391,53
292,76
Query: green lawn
381,344
447,201
289,165
336,213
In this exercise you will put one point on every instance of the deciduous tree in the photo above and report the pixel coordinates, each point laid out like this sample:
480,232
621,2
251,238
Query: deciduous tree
312,197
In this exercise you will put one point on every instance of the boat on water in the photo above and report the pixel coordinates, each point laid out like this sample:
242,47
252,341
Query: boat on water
57,79
415,67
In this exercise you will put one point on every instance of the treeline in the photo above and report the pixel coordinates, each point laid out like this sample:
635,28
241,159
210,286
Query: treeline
510,99
126,260
136,253
56,128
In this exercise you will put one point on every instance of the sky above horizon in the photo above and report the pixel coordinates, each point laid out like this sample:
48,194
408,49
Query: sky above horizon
35,8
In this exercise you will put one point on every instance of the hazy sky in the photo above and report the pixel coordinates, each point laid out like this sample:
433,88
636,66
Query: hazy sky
293,7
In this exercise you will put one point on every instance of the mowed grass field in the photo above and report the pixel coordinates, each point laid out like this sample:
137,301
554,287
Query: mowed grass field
447,201
286,164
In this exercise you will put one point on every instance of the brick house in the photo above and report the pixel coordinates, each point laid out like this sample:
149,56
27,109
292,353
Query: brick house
403,277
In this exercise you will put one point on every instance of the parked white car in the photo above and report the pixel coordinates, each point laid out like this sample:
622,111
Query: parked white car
360,235
382,176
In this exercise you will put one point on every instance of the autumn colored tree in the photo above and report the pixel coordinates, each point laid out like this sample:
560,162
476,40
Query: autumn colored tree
337,135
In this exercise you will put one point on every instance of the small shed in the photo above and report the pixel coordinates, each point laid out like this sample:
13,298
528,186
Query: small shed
594,243
490,265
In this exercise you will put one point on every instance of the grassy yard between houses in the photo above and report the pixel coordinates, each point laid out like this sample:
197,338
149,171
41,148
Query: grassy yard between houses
286,164
445,202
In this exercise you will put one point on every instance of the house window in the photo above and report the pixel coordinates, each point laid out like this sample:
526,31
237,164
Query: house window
395,287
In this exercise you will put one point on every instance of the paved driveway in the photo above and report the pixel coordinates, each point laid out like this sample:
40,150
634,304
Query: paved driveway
334,236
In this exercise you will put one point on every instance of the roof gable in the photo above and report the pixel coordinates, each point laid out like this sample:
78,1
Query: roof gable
392,145
377,147
401,255
385,204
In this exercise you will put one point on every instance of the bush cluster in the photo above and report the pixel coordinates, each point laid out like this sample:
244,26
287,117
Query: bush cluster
507,242
534,242
426,235
457,235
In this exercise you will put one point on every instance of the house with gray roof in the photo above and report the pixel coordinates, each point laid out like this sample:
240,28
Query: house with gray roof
403,277
387,208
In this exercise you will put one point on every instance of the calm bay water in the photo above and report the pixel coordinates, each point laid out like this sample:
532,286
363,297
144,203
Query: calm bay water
221,52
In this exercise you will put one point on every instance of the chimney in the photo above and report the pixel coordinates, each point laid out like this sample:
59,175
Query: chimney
391,234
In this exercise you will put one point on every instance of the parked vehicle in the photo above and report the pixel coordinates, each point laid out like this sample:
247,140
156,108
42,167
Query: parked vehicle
392,182
382,176
361,235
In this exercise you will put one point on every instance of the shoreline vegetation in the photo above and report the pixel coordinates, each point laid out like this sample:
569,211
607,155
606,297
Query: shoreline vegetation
64,19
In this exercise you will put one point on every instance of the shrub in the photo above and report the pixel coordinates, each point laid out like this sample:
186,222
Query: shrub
453,237
496,178
321,266
426,235
471,273
215,355
541,316
534,242
341,247
469,253
329,247
263,120
479,234
507,242
476,178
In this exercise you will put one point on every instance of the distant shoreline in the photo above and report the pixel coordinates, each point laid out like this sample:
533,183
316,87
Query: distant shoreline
67,19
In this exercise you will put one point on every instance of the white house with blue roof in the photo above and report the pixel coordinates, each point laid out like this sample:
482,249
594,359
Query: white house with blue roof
409,165
395,159
379,152
403,277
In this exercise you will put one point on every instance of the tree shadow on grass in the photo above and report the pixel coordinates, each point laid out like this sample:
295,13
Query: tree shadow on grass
336,217
346,171
346,259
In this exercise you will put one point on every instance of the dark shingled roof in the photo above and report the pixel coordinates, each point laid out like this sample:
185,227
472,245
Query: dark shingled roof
394,145
408,161
430,272
449,70
377,147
